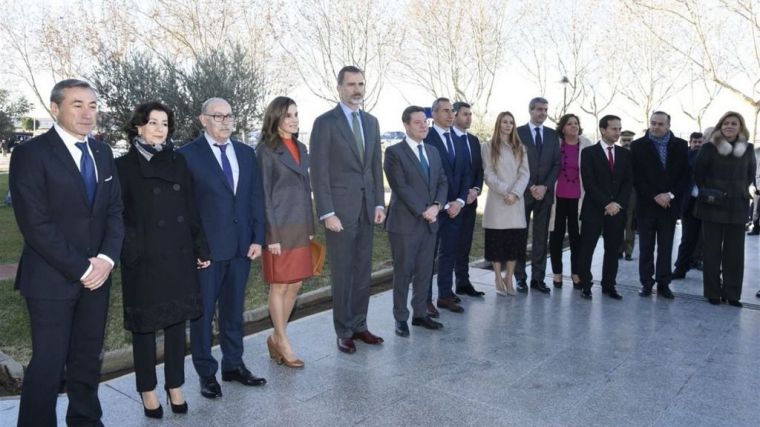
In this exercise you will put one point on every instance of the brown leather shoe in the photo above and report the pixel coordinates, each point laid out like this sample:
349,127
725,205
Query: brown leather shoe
433,312
450,304
346,345
368,337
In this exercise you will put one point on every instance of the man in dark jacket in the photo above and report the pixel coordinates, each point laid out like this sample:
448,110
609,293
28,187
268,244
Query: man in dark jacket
660,161
690,225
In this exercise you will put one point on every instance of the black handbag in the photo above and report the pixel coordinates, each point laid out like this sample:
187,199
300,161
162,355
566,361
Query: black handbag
712,196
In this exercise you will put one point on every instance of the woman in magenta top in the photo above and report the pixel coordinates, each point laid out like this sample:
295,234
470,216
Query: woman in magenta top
568,193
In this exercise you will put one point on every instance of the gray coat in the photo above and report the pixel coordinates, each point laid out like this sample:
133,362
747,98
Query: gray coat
544,169
412,192
287,195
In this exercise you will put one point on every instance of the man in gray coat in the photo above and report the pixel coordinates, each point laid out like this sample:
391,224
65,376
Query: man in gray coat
347,181
418,184
544,159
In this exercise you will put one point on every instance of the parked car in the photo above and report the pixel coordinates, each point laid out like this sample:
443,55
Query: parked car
391,137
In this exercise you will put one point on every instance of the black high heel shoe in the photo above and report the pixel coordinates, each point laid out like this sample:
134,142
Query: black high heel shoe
177,409
156,413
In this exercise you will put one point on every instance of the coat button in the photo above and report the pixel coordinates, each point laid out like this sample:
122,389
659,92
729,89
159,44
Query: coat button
235,221
156,190
180,219
161,223
176,187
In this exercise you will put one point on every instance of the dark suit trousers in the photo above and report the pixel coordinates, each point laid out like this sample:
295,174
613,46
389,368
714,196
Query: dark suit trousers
565,216
611,228
651,231
446,250
65,333
225,282
349,253
691,227
541,210
462,266
411,264
629,241
723,250
144,354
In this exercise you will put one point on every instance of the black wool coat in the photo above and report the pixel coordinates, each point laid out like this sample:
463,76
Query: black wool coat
163,239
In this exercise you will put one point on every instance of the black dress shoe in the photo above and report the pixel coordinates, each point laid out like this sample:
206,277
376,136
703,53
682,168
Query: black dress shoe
678,274
735,303
757,295
664,291
346,345
522,286
557,284
714,301
469,290
539,286
210,387
645,291
612,293
426,323
754,232
176,408
577,285
242,375
586,293
402,329
628,258
431,310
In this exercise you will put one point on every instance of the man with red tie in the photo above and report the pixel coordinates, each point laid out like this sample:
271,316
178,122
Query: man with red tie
608,181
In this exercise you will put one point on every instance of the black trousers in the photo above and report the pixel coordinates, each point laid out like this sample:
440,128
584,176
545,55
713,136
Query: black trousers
462,266
653,231
539,211
611,228
565,217
723,250
144,354
65,333
691,227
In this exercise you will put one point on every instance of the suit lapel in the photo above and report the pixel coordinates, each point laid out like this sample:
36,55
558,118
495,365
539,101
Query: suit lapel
283,154
413,157
368,139
64,156
244,167
211,160
345,129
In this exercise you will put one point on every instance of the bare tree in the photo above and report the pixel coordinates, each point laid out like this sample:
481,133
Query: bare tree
701,94
723,41
321,36
456,51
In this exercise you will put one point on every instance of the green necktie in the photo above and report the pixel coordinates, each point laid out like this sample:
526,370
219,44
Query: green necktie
358,134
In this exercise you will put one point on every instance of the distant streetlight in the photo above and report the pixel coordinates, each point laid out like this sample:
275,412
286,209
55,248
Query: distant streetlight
565,81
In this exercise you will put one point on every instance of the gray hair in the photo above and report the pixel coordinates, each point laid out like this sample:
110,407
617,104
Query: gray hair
438,102
206,103
535,101
56,95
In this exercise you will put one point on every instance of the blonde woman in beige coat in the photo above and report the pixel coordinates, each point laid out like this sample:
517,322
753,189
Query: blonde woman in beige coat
505,166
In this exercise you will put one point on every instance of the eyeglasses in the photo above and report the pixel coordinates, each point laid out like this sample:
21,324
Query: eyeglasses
221,117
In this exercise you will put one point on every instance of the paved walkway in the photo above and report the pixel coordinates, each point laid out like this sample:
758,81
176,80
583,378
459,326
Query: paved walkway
526,360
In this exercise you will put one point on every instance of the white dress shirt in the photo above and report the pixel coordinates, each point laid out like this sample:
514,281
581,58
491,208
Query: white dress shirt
230,151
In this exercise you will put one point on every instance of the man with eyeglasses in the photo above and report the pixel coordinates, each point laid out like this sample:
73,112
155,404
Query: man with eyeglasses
230,200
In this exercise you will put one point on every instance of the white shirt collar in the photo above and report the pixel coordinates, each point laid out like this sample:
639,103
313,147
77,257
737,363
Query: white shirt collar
440,130
459,132
212,141
67,138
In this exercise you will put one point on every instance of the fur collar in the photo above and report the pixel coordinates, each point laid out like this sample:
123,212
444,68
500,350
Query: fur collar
725,148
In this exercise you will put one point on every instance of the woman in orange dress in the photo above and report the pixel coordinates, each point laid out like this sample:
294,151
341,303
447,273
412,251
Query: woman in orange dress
284,165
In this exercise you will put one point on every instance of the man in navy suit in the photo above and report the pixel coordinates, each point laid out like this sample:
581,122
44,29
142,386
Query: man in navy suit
456,164
544,158
462,122
231,205
67,202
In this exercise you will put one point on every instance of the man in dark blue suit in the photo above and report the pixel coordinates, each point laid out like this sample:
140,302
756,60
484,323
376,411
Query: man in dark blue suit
231,205
457,167
691,226
462,122
67,202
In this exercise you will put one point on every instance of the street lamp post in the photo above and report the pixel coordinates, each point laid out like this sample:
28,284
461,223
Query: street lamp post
565,81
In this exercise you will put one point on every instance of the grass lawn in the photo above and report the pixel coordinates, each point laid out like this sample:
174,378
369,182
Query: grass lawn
15,339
